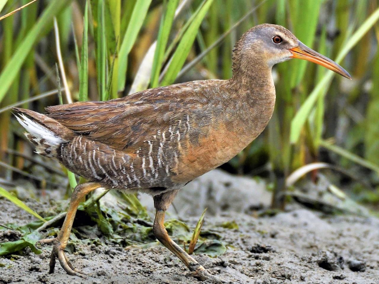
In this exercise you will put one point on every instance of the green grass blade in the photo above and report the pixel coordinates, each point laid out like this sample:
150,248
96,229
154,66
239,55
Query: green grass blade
303,113
211,36
350,156
97,9
185,45
12,69
218,42
164,32
77,54
304,31
196,233
281,12
110,22
70,175
29,240
19,203
134,26
371,122
127,8
83,73
2,4
320,109
112,32
71,180
101,52
178,37
8,43
110,77
65,26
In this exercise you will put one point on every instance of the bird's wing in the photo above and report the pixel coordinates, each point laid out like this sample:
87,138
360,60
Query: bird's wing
127,122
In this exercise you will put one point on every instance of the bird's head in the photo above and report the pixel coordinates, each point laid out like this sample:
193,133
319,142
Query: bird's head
273,44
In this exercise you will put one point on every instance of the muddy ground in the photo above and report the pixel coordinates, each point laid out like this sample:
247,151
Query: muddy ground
298,246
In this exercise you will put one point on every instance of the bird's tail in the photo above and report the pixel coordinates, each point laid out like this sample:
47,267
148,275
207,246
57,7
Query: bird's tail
45,133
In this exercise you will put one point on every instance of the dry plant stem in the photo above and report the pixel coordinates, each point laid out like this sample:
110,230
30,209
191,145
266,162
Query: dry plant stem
48,223
2,164
60,61
89,202
181,7
35,98
145,68
35,161
215,44
50,74
212,46
1,225
16,10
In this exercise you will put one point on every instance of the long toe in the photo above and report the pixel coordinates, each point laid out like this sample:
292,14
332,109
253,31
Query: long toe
68,262
68,266
58,252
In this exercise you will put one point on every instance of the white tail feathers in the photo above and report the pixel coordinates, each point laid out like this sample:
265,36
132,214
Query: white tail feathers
46,141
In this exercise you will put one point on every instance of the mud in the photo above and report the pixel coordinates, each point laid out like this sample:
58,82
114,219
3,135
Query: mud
299,246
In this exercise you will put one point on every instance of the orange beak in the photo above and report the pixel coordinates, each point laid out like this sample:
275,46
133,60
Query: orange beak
304,52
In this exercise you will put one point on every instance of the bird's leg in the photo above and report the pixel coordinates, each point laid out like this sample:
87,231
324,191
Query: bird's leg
161,204
60,242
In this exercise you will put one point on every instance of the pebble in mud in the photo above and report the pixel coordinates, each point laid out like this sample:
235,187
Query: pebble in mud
258,248
43,278
36,268
282,275
357,265
330,261
5,279
339,277
9,236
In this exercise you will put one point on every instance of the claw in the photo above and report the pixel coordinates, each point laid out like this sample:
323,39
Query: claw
67,265
58,252
52,262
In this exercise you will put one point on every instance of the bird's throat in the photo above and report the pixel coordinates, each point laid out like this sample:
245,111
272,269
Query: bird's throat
256,100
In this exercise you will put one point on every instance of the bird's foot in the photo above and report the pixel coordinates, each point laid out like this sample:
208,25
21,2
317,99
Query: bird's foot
202,274
58,252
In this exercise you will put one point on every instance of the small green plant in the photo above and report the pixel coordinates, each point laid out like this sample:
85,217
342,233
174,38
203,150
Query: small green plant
196,233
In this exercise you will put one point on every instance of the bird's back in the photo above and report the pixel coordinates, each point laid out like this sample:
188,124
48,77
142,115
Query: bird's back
155,140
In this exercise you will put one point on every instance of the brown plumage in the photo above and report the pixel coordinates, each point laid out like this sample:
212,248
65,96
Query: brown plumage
158,140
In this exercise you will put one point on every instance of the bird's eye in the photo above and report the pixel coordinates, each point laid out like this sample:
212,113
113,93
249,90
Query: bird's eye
277,39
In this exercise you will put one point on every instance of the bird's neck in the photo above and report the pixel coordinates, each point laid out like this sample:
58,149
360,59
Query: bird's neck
252,72
252,81
254,89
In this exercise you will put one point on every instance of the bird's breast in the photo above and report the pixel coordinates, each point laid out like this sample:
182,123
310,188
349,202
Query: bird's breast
226,133
210,151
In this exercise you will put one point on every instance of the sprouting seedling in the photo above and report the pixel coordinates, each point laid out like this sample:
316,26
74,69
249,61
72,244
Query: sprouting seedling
196,233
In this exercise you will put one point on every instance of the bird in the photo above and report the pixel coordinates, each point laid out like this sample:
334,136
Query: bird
158,140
